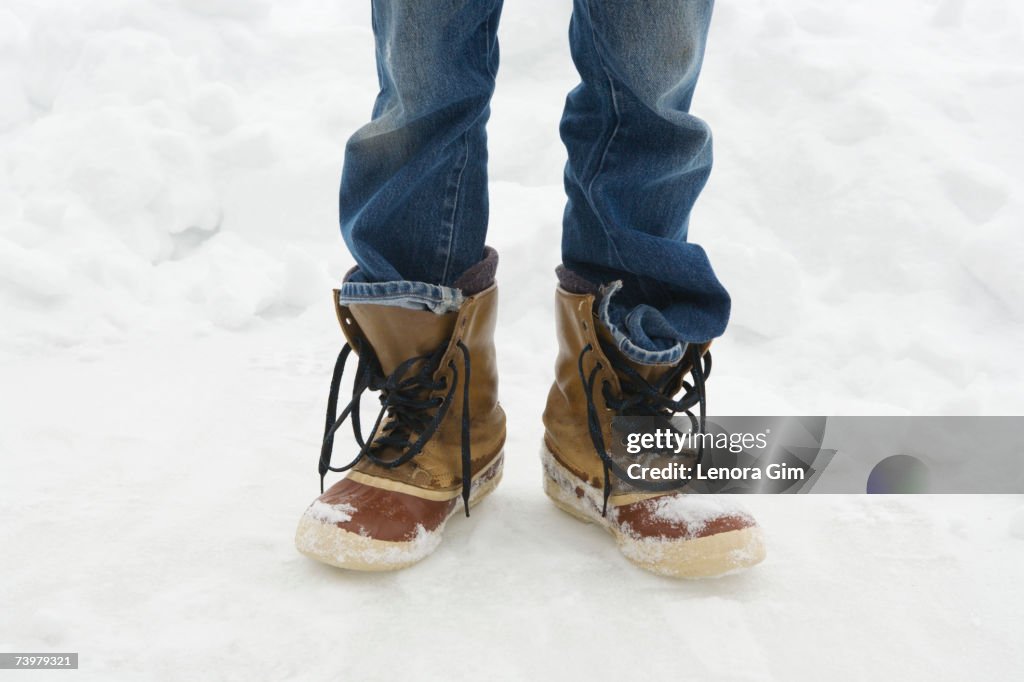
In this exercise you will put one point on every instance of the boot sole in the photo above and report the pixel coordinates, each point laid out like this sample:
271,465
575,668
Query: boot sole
329,544
703,557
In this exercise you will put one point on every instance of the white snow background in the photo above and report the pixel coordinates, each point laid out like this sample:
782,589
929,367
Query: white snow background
168,240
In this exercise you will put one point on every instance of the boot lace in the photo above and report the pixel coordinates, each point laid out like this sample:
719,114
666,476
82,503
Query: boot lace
642,398
409,402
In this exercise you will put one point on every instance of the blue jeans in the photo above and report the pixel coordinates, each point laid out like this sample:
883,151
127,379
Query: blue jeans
413,199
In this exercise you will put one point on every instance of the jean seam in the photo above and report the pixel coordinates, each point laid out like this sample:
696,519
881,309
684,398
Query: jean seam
454,188
589,192
489,47
462,164
374,25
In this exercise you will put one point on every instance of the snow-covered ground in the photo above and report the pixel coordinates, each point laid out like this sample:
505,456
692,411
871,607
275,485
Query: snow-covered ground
168,178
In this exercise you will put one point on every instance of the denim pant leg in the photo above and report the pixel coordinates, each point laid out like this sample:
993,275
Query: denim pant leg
637,159
413,200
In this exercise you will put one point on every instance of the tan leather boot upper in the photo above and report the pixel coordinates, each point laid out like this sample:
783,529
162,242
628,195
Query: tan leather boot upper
397,334
565,417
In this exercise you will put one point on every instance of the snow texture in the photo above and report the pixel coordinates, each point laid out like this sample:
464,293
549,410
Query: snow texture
330,513
168,241
694,511
343,546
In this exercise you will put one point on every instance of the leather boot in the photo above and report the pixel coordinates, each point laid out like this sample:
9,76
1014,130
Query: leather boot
436,447
670,533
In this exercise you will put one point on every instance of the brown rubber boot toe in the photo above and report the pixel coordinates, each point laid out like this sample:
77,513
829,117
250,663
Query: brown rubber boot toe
363,527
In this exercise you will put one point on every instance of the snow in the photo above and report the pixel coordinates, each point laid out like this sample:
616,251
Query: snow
330,513
320,540
694,511
1017,524
168,241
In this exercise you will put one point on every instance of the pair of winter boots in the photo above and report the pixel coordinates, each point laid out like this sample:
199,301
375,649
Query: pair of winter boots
437,446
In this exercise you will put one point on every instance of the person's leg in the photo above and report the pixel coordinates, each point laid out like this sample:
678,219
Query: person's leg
420,309
413,199
637,304
637,161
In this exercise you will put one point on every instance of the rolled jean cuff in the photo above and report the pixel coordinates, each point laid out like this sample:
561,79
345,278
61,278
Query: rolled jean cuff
626,346
402,294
